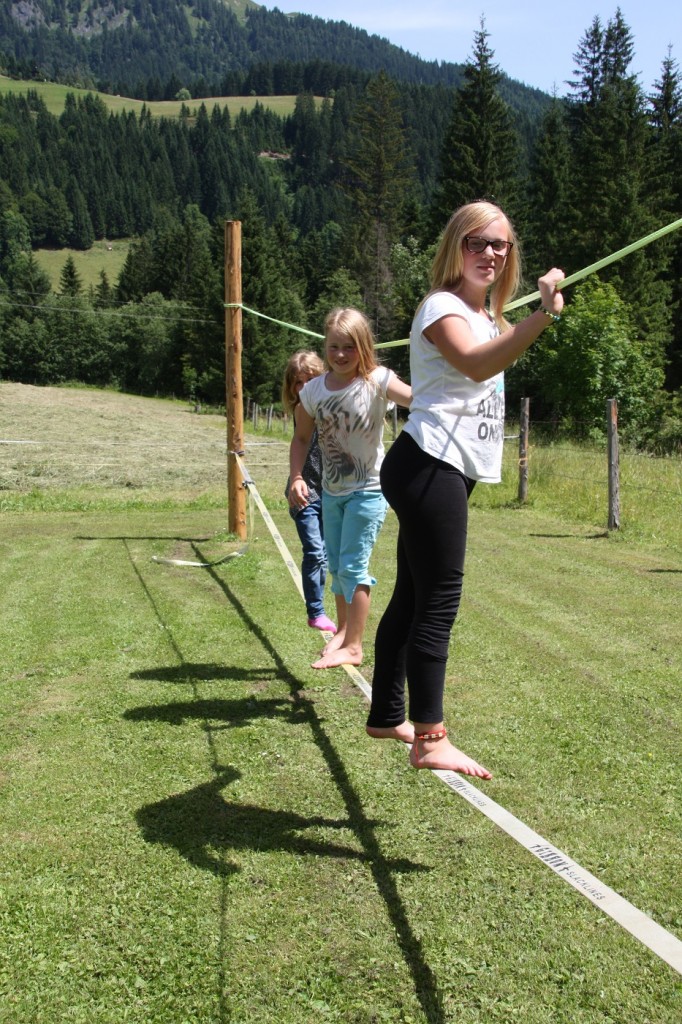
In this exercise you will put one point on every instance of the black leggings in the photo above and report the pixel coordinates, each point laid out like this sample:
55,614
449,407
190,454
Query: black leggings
430,499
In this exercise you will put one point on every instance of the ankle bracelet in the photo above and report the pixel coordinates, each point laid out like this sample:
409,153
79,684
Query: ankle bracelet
431,735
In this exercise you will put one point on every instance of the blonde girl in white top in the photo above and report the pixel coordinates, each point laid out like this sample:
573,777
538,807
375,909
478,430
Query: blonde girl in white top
347,405
460,344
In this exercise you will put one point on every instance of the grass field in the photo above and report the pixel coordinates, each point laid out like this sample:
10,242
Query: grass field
195,827
103,255
54,97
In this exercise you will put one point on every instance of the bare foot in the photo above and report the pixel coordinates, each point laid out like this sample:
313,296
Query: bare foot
335,642
403,732
441,754
341,656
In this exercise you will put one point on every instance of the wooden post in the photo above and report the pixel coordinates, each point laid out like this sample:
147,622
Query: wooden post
234,403
614,464
524,427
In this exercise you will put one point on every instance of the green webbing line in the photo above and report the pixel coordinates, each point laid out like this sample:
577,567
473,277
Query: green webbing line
594,267
302,330
523,301
392,344
282,323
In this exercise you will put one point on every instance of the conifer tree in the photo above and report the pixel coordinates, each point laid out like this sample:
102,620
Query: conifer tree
589,65
379,173
480,157
304,135
665,188
103,293
609,136
548,241
27,284
271,289
15,236
70,282
82,233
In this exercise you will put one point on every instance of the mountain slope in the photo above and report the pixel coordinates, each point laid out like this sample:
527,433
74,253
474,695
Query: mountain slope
122,45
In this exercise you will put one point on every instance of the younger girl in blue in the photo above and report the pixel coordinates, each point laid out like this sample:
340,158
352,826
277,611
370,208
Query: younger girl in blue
301,368
347,405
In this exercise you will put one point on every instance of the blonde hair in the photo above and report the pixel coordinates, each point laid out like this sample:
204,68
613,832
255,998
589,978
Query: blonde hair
355,326
448,263
300,362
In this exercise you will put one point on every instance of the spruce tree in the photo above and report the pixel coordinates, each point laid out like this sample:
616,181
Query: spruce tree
270,288
103,293
480,157
665,188
551,195
70,282
82,233
609,136
379,175
589,65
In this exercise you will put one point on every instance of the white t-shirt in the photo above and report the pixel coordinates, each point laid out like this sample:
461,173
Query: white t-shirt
452,417
350,430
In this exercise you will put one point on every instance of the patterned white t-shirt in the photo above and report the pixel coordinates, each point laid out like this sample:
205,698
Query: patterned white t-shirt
452,417
350,429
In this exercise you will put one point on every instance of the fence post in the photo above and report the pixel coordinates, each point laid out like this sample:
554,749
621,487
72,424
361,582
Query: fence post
234,402
524,427
614,464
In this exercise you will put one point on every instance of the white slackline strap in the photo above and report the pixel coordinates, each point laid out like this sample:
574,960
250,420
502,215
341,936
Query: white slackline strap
666,945
292,567
218,561
199,565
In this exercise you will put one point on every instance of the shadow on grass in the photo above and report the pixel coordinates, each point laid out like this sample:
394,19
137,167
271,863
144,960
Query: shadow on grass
203,671
161,536
570,536
234,713
201,824
202,818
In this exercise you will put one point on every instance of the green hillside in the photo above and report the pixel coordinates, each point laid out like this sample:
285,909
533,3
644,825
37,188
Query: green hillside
54,96
107,256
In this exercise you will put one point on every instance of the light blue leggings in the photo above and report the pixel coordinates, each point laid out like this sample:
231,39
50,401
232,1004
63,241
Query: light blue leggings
351,527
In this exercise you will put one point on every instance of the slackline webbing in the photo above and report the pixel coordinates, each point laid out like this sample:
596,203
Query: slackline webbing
218,561
661,942
294,571
523,301
594,267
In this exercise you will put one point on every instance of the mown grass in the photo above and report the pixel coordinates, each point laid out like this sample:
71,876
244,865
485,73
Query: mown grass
194,826
54,97
101,256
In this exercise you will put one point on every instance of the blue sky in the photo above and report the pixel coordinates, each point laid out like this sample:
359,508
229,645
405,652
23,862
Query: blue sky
533,42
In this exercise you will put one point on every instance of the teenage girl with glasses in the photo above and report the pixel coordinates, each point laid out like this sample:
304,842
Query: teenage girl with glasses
347,406
460,344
